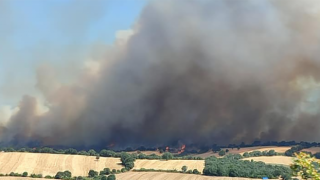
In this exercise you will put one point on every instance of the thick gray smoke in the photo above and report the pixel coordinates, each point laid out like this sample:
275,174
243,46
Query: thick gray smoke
196,71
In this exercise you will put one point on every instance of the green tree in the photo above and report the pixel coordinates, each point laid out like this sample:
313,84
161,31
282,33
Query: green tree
97,157
71,151
111,177
104,178
184,168
107,153
107,171
271,153
127,160
24,174
92,173
63,175
167,156
222,153
59,175
92,152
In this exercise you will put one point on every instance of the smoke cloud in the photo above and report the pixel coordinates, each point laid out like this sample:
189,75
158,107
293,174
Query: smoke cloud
195,71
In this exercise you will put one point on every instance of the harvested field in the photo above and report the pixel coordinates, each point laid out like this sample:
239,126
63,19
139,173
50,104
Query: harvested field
169,165
170,176
21,178
282,160
50,164
312,150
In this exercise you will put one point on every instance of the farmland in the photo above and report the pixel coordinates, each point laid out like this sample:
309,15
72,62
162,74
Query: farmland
79,165
169,165
20,178
50,164
170,176
282,160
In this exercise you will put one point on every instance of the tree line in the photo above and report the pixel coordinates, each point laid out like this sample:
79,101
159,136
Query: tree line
102,153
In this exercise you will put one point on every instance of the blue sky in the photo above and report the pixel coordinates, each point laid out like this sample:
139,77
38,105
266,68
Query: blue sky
37,31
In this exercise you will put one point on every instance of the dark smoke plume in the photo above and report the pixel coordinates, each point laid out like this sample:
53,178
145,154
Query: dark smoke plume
196,71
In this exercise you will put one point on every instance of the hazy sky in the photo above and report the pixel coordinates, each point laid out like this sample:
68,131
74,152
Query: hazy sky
59,32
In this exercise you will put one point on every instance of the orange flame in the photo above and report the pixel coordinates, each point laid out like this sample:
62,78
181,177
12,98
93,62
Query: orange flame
183,147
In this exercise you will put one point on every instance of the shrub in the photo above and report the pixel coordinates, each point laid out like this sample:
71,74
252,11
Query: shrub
24,174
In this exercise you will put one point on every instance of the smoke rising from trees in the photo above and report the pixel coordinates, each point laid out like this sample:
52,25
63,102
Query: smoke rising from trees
201,72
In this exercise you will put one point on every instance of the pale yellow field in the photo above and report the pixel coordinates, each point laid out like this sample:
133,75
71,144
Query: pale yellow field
282,160
50,164
170,176
169,165
20,178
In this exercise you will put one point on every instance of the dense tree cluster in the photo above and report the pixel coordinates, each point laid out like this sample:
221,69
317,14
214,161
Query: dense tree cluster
261,153
240,168
127,160
183,170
